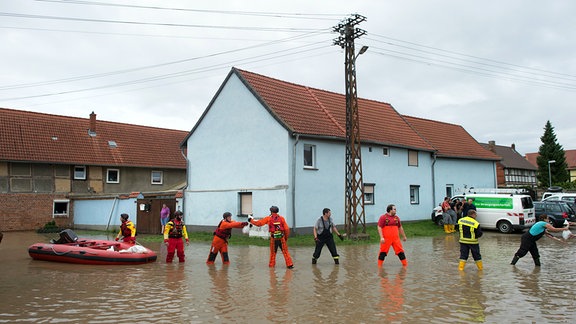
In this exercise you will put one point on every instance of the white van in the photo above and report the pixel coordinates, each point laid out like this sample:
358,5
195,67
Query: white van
504,212
570,197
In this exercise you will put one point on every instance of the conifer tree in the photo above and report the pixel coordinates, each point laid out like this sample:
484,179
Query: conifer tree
550,150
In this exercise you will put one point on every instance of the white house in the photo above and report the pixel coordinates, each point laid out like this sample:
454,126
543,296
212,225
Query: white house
263,142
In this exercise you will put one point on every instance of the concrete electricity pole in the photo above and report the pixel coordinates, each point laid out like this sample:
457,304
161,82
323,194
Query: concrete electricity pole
354,186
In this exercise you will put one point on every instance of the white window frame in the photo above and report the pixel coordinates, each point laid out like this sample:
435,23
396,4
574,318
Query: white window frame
309,164
79,172
161,173
386,151
246,203
412,158
414,194
108,175
62,214
369,193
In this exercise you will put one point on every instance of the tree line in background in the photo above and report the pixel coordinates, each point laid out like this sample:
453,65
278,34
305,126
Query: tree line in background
557,171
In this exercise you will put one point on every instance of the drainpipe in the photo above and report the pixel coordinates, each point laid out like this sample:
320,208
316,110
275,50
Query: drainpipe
433,180
186,185
111,213
294,183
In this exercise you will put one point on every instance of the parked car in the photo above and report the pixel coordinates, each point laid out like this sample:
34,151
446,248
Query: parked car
558,211
570,198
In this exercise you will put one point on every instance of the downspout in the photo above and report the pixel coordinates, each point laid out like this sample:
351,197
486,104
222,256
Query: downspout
186,185
294,182
433,180
111,213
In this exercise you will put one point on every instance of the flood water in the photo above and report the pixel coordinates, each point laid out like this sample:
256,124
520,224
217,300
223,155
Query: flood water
430,289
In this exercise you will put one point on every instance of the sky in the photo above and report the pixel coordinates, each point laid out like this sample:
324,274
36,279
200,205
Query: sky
500,69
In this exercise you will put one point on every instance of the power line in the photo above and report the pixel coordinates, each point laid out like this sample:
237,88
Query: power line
227,12
263,29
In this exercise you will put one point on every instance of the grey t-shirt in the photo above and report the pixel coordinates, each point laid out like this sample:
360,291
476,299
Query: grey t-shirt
321,224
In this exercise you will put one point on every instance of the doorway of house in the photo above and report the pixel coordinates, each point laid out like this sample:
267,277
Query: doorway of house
148,214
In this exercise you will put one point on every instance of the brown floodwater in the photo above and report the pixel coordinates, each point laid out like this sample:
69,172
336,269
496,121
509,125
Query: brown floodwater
430,289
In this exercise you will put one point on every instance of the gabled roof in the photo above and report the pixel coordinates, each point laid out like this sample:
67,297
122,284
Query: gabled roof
569,154
308,111
44,138
511,159
450,140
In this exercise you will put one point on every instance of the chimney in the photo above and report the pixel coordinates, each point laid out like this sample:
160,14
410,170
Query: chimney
92,129
492,145
513,146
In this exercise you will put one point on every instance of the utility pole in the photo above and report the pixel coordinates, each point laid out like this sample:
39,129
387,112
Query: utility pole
354,191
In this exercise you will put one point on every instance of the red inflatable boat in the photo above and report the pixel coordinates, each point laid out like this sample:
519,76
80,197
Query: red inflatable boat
69,248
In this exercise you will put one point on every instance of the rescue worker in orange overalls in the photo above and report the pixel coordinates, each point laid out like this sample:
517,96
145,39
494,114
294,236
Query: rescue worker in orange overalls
173,233
221,237
279,232
389,229
127,230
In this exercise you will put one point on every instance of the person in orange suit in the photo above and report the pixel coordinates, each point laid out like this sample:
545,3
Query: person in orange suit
279,232
221,237
389,229
127,230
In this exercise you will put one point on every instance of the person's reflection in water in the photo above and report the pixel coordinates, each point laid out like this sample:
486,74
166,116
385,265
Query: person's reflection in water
279,296
392,300
471,304
220,292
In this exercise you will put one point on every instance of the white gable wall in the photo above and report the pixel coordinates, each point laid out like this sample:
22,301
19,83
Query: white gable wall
238,146
461,173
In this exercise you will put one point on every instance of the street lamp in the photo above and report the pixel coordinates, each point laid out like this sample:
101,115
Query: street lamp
550,173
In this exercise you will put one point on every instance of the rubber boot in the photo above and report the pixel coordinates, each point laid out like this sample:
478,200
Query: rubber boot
336,260
479,265
314,260
446,229
381,258
514,260
211,258
461,265
225,258
452,228
537,262
402,258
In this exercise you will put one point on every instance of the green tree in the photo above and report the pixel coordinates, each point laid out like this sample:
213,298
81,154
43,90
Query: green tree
550,150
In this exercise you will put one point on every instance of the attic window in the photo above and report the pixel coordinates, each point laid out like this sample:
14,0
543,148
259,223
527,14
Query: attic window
112,144
54,138
91,133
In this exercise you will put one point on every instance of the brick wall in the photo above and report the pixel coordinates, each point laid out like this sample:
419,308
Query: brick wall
29,211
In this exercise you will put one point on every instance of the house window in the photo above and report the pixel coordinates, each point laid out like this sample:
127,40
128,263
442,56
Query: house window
157,177
414,195
369,193
245,203
449,190
112,176
309,156
80,172
412,158
385,151
60,208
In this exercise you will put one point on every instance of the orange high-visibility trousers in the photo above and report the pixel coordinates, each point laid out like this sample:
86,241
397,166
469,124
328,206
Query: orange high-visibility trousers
274,245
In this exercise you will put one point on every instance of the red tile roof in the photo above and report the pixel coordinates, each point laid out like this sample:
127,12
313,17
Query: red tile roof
315,112
570,156
450,140
44,138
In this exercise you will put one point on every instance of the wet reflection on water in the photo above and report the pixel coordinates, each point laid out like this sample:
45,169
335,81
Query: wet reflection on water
430,289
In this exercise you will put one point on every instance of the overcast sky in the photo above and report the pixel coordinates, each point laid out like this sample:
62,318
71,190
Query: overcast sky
500,69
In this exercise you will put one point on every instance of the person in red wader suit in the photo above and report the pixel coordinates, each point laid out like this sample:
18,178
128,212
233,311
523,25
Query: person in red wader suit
279,232
127,230
221,237
173,233
389,229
